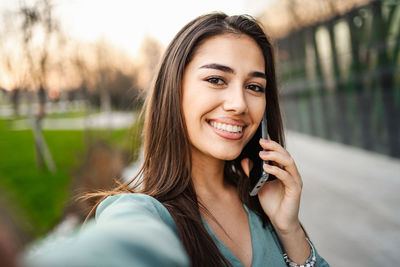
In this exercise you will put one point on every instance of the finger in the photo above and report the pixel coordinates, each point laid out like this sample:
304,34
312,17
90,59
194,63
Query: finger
288,161
281,174
283,160
247,165
279,158
269,144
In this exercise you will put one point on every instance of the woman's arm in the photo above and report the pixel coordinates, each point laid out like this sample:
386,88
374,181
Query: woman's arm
295,244
128,232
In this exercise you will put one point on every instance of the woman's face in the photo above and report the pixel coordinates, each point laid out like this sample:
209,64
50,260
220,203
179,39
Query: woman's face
223,91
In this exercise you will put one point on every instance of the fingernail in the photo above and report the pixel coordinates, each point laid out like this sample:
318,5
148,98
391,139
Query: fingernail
264,153
264,140
266,165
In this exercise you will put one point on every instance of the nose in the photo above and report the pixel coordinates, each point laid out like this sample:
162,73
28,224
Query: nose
235,100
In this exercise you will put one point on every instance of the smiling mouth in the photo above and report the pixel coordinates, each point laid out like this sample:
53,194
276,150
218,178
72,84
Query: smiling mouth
226,127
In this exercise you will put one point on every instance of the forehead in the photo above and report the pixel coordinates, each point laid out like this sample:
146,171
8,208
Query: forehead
230,49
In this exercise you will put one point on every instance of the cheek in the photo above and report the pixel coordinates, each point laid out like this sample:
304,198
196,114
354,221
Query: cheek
257,110
193,107
187,103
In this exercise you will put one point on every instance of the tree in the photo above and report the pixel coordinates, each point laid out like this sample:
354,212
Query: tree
37,21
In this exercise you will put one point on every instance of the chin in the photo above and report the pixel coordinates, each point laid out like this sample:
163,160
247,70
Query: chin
230,156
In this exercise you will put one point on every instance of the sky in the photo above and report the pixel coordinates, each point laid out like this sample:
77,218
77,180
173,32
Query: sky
124,23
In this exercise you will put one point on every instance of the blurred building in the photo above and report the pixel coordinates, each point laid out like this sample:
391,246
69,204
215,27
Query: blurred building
338,67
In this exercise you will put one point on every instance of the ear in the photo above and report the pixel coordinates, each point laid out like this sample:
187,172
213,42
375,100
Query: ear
247,165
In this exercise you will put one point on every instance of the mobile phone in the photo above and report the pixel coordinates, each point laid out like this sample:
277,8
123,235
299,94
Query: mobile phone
258,177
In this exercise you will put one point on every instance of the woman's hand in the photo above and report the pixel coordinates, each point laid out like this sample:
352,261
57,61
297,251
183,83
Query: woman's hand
280,199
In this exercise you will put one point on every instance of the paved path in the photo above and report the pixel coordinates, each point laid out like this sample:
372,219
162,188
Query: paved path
350,203
111,120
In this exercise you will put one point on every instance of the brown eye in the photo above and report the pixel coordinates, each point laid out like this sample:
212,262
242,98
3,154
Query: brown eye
216,81
256,88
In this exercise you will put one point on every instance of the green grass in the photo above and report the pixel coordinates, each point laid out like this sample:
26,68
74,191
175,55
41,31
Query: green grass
40,195
76,114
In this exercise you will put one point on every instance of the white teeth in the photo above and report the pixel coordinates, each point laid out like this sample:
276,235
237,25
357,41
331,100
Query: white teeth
227,127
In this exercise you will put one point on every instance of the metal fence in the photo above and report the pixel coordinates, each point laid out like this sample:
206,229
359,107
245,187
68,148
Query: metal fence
340,79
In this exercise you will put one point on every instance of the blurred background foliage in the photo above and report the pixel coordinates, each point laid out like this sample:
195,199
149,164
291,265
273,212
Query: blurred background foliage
68,115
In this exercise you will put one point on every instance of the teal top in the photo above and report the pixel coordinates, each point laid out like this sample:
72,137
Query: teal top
137,230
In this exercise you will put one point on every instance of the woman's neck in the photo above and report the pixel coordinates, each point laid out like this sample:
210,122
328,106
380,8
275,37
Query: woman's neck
208,176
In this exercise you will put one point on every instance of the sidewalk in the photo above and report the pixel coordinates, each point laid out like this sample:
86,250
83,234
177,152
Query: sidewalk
350,203
102,120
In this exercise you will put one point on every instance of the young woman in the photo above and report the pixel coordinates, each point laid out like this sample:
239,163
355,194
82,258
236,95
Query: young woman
202,126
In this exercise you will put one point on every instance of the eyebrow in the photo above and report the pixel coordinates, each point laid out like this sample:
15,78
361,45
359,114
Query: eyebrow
223,68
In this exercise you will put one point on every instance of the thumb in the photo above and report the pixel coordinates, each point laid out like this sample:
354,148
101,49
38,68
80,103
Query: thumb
247,165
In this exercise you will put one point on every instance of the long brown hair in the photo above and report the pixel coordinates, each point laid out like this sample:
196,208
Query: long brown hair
166,169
